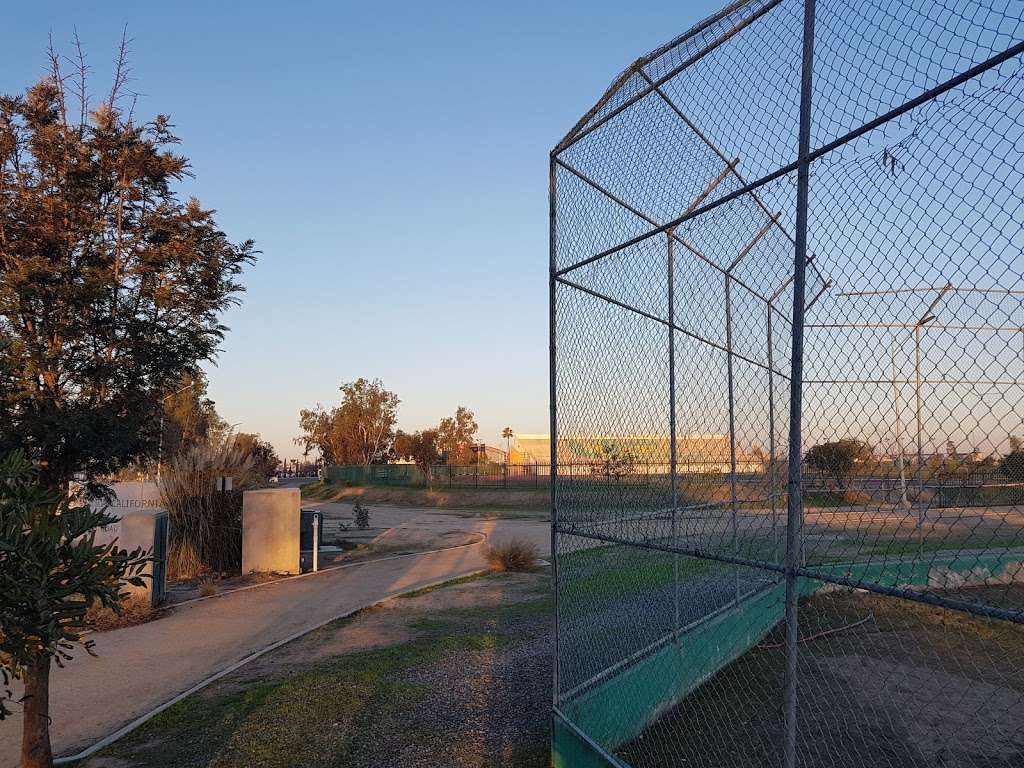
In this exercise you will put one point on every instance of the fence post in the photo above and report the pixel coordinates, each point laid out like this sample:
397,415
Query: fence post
552,405
672,426
794,505
772,481
732,432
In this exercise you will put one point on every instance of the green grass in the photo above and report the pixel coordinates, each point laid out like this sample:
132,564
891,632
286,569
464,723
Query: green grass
327,713
602,574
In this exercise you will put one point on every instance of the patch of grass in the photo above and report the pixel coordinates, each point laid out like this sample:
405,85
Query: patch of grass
449,583
328,712
604,573
499,502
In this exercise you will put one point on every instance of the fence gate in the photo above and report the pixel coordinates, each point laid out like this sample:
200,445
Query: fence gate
786,266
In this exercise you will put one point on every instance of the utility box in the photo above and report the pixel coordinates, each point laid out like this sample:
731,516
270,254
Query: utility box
143,523
270,530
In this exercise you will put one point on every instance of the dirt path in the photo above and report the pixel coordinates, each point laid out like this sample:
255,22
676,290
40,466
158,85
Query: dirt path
142,667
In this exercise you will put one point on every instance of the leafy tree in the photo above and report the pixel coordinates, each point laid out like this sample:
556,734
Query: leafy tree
419,448
614,461
1012,464
111,289
359,431
190,416
111,286
456,436
51,571
262,454
838,459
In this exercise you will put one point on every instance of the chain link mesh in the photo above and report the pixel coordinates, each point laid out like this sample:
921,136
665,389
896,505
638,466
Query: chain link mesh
674,214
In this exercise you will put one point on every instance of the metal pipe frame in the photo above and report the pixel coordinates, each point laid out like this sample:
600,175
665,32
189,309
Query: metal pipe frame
553,409
717,43
672,421
655,318
773,218
653,222
792,569
922,98
924,382
794,506
730,382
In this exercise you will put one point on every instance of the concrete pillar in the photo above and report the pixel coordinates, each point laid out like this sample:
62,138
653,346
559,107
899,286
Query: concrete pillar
142,524
270,530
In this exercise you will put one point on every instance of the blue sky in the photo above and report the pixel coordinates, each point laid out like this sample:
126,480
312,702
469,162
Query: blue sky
390,160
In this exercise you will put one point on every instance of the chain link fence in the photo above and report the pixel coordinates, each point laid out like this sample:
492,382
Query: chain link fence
795,235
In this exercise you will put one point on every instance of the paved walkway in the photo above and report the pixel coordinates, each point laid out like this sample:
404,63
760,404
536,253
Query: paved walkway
141,667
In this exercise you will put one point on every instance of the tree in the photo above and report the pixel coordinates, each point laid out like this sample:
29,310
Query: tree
838,459
111,291
1012,464
111,286
261,453
419,448
455,436
507,433
359,431
614,461
51,571
190,416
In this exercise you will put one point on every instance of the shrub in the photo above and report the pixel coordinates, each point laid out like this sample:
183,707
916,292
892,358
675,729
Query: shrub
361,515
513,555
206,524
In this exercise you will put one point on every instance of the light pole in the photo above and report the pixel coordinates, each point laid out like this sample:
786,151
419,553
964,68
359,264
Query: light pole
160,451
899,430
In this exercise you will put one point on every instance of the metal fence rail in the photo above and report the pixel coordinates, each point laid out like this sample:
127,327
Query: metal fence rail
796,232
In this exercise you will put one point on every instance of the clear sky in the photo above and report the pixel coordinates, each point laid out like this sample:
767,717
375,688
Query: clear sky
390,160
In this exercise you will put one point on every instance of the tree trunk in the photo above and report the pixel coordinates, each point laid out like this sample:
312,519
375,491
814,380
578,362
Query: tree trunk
35,739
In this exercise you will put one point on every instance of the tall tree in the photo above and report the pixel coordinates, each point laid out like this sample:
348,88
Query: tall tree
264,457
838,459
111,286
507,433
190,416
111,290
419,448
456,434
359,431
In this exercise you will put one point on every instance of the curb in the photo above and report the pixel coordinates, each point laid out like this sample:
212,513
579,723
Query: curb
125,730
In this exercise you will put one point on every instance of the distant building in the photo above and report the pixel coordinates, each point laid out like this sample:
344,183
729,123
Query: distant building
491,454
695,453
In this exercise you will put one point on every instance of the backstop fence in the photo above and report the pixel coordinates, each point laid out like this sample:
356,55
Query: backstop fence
799,226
